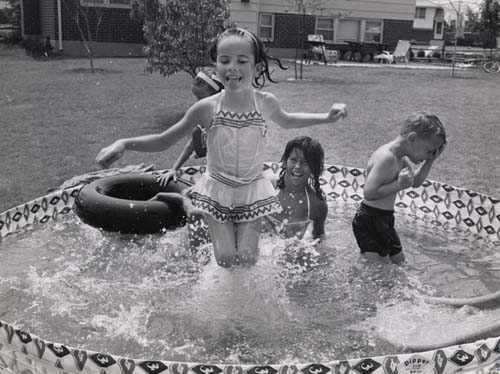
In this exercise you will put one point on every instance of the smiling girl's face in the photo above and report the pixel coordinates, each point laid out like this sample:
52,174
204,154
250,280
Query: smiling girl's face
236,62
298,171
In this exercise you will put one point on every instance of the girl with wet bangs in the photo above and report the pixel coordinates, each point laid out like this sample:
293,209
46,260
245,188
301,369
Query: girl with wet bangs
233,194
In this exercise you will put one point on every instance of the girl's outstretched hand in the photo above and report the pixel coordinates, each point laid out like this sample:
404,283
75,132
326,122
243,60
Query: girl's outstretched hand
337,111
110,154
164,178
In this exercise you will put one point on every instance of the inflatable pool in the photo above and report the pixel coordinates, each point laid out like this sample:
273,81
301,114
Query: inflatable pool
435,205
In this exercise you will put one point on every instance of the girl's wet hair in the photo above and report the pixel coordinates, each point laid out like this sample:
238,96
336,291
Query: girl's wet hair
315,157
259,51
424,125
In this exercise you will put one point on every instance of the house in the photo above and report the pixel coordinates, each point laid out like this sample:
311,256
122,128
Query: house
428,23
341,22
119,35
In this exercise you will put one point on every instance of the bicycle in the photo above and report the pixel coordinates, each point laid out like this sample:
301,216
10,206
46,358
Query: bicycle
493,65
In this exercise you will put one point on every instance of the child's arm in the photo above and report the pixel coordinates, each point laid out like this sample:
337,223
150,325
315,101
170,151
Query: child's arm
274,180
424,169
422,173
377,187
172,173
318,231
297,120
156,142
177,198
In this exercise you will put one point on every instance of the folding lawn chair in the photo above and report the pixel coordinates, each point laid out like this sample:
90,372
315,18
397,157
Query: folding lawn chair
402,51
400,54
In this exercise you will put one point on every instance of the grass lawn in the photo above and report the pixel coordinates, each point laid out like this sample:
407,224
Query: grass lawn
55,117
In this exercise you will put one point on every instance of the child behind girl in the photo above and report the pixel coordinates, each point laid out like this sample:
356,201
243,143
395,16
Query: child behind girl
205,84
232,193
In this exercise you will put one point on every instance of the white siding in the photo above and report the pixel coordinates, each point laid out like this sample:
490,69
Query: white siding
426,23
241,13
245,15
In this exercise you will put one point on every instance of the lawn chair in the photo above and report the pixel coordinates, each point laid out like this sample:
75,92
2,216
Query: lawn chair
401,53
316,51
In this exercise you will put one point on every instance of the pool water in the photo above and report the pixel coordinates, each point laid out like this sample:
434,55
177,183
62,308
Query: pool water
148,297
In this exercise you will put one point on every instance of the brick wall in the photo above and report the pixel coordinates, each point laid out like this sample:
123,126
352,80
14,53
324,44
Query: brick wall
422,36
285,32
395,30
285,29
116,25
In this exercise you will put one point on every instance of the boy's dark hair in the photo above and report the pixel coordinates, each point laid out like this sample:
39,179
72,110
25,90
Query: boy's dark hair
424,125
259,52
315,157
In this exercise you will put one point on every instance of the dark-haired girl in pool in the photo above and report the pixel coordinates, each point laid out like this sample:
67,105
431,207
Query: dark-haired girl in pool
299,190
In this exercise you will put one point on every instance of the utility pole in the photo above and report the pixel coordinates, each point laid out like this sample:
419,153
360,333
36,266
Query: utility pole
457,23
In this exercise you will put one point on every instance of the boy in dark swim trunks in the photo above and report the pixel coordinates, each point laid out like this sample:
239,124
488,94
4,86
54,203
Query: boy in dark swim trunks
402,163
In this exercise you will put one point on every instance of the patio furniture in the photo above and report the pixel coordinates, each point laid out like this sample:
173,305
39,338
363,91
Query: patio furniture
384,57
363,51
316,48
440,47
429,52
402,51
332,55
400,54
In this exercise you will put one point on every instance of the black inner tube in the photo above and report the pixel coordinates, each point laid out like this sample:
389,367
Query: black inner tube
121,203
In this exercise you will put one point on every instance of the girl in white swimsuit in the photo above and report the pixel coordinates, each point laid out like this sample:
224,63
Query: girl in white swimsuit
232,194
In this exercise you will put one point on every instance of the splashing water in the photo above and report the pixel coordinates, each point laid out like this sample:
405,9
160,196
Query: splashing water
148,297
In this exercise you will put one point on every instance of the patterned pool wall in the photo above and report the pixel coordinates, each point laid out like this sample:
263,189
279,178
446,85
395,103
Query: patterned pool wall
434,204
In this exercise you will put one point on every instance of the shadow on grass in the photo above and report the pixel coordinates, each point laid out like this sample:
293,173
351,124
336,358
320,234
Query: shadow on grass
96,70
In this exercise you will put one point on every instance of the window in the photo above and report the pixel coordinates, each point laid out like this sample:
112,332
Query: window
373,31
107,3
119,2
439,27
348,30
325,27
266,26
420,13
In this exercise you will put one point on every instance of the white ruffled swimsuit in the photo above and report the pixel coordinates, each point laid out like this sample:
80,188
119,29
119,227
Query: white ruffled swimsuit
233,188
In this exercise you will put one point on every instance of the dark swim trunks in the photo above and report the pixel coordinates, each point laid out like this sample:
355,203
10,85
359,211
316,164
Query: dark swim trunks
374,231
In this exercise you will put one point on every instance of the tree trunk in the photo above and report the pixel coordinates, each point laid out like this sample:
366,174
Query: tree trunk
89,56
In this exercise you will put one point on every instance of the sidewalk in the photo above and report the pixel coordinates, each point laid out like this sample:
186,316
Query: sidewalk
410,65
